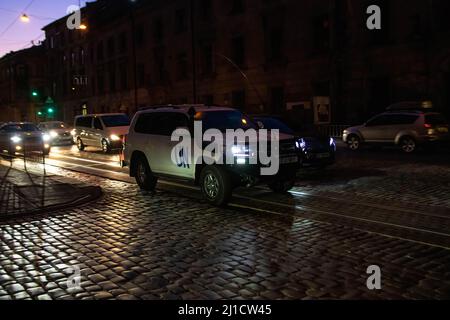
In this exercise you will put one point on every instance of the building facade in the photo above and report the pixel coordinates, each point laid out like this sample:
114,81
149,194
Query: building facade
23,84
314,61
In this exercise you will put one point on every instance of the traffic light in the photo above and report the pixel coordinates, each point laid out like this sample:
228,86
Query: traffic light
50,110
40,114
34,93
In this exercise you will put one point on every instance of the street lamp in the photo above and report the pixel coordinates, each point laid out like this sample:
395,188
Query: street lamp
83,27
24,18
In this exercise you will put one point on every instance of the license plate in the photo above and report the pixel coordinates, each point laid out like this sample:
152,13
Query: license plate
442,130
323,155
288,160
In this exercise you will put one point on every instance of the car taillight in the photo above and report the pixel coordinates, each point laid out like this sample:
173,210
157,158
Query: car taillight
428,126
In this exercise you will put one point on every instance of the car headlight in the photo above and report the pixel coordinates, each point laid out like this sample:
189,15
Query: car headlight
53,134
73,132
345,132
46,137
239,151
300,144
16,139
114,137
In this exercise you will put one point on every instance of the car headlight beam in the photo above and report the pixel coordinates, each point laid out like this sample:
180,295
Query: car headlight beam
114,137
16,139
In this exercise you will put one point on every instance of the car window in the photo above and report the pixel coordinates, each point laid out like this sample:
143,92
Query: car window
382,120
163,124
403,119
20,128
98,124
84,122
120,120
223,120
435,119
56,125
273,123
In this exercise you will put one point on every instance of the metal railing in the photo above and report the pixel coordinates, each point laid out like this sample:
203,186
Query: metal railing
28,155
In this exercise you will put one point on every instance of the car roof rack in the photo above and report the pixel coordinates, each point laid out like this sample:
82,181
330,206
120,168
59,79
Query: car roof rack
418,106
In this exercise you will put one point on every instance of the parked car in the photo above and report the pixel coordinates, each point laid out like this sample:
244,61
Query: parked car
58,131
407,129
314,150
104,131
148,149
21,137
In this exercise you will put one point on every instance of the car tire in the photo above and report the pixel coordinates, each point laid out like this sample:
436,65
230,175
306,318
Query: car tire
282,186
353,142
408,144
144,176
106,148
80,145
216,185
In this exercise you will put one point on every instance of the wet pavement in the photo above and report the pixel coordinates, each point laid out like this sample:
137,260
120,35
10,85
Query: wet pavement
315,243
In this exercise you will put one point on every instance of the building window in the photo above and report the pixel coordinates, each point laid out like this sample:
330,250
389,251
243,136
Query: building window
82,57
140,36
321,33
111,47
123,42
208,100
275,45
238,50
158,32
112,77
207,59
180,21
182,66
237,6
277,102
123,74
206,10
238,99
100,54
141,75
100,81
381,37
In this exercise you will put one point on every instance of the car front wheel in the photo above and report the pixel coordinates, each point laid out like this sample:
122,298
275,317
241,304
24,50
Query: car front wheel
216,185
80,144
408,144
354,142
144,176
106,148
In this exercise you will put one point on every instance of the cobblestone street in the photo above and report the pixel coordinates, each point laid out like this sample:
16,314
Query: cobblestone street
172,245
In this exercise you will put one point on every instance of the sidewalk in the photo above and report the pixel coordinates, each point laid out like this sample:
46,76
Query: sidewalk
26,193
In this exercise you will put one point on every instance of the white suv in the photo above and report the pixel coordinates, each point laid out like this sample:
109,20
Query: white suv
148,151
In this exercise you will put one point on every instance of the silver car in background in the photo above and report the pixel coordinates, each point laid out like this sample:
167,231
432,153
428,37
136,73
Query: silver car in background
58,131
407,129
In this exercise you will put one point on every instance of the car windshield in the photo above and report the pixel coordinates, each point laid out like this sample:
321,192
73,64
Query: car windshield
223,120
435,119
56,125
23,127
120,120
273,123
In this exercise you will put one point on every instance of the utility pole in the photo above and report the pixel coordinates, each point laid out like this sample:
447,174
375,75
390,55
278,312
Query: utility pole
133,40
194,52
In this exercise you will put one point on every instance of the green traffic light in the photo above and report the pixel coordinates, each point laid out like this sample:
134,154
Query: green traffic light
34,94
39,113
50,110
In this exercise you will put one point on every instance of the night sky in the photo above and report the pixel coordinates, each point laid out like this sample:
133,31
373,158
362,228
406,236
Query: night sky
41,12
